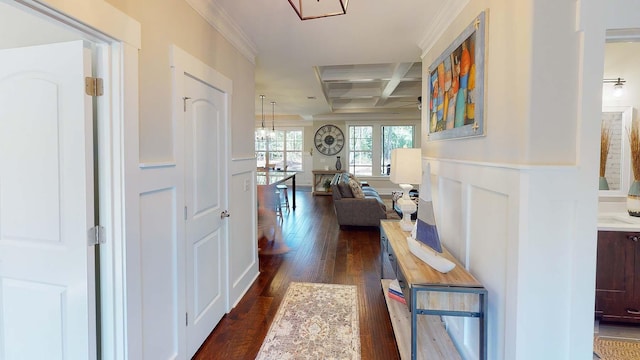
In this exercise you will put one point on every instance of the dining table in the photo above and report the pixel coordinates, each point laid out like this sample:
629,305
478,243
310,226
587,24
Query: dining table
275,177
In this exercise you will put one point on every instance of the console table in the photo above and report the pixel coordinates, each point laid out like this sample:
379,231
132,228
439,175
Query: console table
428,292
318,179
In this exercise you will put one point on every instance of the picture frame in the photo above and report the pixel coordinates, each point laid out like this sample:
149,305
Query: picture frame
456,86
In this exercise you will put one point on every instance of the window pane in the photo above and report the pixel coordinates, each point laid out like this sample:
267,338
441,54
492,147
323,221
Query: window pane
294,161
394,137
276,158
360,150
260,159
293,147
277,143
294,140
283,149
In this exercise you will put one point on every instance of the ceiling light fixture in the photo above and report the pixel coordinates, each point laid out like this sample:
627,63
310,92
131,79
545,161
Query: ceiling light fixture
262,132
314,9
273,121
617,85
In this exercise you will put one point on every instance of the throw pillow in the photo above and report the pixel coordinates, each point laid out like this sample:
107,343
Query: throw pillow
345,189
351,176
355,189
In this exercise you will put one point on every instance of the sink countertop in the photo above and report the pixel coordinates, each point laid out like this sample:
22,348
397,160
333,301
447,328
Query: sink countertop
618,221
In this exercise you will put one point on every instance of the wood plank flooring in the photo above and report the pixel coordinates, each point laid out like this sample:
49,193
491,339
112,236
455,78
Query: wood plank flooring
319,251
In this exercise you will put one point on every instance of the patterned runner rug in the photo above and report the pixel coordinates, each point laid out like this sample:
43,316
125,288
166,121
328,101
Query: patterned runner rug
315,321
615,349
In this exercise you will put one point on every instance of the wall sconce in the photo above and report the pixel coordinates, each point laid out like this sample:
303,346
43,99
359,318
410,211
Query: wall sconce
617,85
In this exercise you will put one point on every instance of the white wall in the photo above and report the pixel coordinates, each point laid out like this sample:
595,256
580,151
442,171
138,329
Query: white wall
519,204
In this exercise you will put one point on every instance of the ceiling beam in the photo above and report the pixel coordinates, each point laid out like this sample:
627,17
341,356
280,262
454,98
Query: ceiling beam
399,72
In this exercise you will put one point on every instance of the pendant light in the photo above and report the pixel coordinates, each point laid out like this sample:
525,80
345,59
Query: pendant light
262,132
273,126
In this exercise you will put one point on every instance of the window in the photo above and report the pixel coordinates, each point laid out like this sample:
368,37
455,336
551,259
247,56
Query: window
361,150
282,149
369,145
394,137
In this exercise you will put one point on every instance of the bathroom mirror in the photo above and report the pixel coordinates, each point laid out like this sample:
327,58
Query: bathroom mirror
617,170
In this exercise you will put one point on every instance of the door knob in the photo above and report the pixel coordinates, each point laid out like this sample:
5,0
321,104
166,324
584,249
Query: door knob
224,214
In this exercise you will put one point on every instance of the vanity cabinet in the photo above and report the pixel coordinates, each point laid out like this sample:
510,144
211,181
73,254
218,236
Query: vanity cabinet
618,276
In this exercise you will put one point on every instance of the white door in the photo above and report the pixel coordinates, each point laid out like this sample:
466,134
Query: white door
205,199
47,274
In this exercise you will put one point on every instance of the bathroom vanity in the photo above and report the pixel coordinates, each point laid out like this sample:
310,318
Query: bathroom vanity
618,268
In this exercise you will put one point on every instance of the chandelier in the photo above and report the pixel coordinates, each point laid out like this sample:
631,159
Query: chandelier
314,9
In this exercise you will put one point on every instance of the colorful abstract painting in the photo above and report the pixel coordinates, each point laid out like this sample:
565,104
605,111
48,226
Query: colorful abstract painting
456,86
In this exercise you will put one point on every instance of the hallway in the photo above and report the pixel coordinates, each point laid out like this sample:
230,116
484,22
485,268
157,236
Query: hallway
318,252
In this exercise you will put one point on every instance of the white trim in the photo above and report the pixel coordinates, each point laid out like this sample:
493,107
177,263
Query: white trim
626,177
93,17
159,164
200,70
519,167
243,158
446,15
215,15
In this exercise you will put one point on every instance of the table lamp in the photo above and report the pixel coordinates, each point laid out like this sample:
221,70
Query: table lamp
406,170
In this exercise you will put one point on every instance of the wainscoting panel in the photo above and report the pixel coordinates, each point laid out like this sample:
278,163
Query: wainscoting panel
158,237
488,242
451,213
513,228
243,245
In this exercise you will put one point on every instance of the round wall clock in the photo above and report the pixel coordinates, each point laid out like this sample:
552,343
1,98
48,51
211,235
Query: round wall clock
329,140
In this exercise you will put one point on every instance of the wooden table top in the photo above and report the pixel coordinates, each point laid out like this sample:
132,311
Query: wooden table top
418,272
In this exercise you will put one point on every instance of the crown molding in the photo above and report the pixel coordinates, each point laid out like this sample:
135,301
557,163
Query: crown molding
443,19
221,21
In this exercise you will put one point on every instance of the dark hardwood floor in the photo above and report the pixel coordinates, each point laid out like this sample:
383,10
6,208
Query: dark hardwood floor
319,251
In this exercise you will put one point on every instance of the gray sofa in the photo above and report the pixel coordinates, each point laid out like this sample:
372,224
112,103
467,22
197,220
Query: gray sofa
367,211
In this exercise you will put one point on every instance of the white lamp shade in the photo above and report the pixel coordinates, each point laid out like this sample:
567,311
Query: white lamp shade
406,166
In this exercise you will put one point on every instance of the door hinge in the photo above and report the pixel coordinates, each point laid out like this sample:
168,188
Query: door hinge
93,86
96,235
186,319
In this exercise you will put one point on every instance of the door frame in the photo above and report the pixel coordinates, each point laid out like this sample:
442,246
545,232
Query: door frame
184,63
117,40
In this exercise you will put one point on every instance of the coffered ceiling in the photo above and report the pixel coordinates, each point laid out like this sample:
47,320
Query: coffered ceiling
362,65
387,88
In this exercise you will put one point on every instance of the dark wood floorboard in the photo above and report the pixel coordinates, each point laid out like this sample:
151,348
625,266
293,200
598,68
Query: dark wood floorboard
319,251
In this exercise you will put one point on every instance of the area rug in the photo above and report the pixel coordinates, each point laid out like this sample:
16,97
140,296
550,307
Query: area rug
315,321
616,349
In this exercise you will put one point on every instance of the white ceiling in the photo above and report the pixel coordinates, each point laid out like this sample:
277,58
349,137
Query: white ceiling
362,65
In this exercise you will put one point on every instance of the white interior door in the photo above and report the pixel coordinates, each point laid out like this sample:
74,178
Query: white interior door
205,199
47,274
